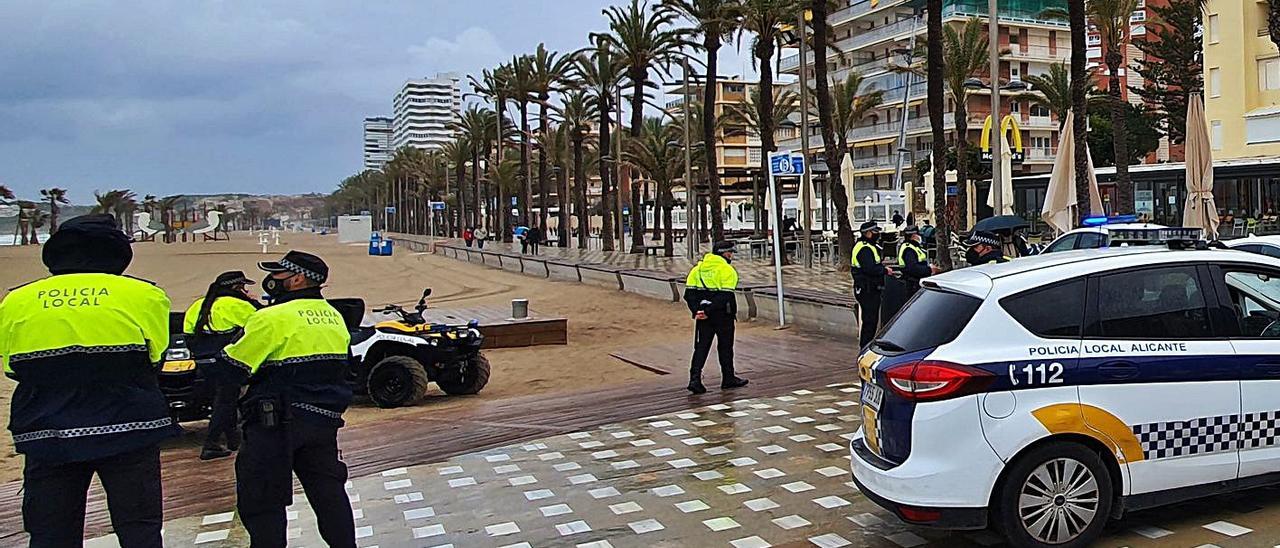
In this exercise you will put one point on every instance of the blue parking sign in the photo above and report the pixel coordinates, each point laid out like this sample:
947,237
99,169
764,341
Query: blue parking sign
785,164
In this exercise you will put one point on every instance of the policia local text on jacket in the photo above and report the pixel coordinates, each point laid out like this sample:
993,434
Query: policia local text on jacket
213,322
294,357
82,345
868,281
709,292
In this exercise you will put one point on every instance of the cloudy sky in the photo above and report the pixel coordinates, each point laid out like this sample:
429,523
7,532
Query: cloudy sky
262,96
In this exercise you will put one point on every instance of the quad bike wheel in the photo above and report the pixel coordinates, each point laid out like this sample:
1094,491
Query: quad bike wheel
472,378
397,381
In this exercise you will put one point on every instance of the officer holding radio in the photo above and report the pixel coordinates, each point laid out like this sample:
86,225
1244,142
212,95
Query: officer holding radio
294,357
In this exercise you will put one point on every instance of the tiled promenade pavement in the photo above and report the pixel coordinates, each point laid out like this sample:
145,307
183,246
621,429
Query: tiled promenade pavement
751,271
764,472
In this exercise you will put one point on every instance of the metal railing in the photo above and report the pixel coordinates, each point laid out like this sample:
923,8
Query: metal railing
859,8
871,36
876,162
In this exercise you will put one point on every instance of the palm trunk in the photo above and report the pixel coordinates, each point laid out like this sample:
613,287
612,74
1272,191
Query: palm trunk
825,118
606,201
668,240
1120,137
580,192
1079,83
764,111
543,191
526,182
711,44
637,124
477,218
562,199
939,161
958,216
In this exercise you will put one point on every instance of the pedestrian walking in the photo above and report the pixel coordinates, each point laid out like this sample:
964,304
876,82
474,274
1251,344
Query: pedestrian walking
868,280
897,219
709,292
480,234
468,236
214,321
294,355
82,345
984,247
534,237
522,234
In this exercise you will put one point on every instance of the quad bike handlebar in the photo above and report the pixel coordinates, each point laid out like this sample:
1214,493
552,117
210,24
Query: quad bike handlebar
411,318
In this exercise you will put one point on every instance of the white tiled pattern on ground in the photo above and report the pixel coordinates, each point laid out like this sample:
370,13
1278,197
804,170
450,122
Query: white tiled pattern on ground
753,476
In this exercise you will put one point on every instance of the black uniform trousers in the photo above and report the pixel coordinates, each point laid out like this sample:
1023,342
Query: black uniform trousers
264,482
869,313
223,419
53,499
720,328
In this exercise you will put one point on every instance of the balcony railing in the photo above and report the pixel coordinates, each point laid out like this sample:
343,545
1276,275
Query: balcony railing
1037,52
1039,154
876,162
858,8
871,36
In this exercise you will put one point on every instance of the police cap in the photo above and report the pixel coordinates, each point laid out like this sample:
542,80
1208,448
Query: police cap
910,230
723,246
88,243
299,262
232,278
869,225
982,237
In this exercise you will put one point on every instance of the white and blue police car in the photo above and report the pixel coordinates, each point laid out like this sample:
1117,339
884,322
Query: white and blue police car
1096,233
1046,395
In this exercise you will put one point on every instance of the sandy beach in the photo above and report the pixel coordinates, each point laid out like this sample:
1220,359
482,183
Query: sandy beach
600,320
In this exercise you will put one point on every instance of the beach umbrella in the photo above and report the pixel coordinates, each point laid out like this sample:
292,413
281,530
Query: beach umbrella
1006,180
847,177
1200,211
1059,210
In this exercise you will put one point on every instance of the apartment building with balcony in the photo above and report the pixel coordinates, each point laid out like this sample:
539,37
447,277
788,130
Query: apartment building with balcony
377,141
1129,78
424,110
872,37
737,147
1242,80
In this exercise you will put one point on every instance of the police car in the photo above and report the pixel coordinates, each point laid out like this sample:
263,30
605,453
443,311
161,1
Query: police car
1096,233
1266,245
1046,395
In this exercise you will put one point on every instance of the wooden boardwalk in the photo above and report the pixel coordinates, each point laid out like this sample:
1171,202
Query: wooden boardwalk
774,364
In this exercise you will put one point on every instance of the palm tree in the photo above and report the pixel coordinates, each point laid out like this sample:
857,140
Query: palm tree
934,74
645,39
168,206
965,55
576,116
763,18
820,41
658,155
495,85
478,127
601,70
850,104
55,196
750,115
457,152
549,71
1111,18
714,23
1052,90
522,89
1076,18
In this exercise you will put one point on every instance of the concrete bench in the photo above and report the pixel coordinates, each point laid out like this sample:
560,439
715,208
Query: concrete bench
824,311
651,283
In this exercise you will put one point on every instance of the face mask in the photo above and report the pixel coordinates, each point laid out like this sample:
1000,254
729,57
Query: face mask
875,237
272,286
971,256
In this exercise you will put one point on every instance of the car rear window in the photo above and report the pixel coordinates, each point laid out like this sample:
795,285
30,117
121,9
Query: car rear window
1054,311
932,318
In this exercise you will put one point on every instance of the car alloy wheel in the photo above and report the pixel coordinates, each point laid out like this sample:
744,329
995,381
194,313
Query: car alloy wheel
1058,501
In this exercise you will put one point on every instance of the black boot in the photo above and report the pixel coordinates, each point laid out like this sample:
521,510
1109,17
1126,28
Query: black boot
696,387
233,440
211,453
733,382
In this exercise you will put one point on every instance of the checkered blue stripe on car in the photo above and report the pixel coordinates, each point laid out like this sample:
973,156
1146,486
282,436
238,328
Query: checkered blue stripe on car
1208,434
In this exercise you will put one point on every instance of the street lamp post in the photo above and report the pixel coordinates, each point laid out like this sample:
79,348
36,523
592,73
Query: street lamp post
909,55
993,39
820,170
690,229
805,182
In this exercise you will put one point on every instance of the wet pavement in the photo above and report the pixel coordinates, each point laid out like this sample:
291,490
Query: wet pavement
752,473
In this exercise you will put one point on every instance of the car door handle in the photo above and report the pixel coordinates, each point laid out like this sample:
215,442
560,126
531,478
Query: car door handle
1118,370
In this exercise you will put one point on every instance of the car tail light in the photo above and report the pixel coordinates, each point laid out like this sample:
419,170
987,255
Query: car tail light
933,380
919,515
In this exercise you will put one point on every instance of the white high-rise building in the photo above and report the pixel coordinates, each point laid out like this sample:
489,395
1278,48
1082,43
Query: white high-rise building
377,142
423,111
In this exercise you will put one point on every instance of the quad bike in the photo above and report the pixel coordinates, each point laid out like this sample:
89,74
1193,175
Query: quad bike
185,388
394,360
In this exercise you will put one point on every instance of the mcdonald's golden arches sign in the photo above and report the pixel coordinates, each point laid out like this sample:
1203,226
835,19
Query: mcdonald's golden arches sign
1009,123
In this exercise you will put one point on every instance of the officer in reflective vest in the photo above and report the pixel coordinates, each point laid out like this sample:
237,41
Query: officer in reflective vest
709,292
984,247
913,261
82,345
212,322
294,356
868,280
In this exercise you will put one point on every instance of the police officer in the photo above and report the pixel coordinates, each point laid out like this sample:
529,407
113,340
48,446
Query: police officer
213,322
294,355
913,261
709,292
868,280
82,345
984,247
